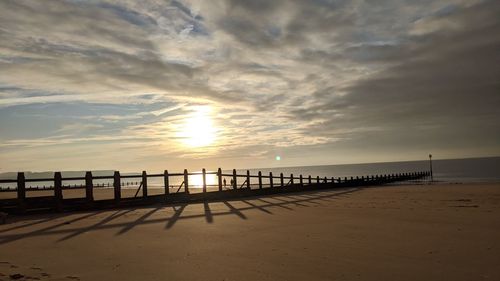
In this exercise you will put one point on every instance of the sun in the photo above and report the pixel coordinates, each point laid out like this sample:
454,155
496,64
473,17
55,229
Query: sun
198,129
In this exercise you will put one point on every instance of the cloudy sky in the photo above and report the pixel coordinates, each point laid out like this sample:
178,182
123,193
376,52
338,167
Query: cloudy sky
157,84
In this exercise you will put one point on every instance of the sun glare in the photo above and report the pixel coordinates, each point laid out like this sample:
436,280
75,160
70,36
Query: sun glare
198,129
197,180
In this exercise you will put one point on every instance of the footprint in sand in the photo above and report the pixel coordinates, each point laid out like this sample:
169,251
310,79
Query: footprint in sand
9,271
16,276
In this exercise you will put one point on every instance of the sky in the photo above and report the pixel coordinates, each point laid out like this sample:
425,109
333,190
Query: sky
154,85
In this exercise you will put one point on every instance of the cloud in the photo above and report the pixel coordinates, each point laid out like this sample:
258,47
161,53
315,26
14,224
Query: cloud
442,86
99,49
332,76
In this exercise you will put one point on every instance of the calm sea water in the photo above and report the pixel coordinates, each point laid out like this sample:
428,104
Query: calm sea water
448,170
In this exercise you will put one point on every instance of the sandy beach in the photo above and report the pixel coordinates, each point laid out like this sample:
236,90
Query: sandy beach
411,232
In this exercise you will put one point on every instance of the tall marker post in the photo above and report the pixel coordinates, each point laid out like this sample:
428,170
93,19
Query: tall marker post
430,166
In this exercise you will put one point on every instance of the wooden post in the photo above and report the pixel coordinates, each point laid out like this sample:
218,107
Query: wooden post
204,179
271,179
235,184
248,179
291,179
310,180
430,167
89,187
301,180
219,176
281,180
117,186
260,180
339,180
326,180
333,180
186,181
21,191
144,184
317,179
166,182
58,196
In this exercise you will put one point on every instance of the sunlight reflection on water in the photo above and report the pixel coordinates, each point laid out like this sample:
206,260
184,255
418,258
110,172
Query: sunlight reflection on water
197,180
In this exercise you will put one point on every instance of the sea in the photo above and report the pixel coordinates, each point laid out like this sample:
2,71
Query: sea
444,170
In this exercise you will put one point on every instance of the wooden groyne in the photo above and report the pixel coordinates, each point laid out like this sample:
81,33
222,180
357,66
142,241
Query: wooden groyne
240,186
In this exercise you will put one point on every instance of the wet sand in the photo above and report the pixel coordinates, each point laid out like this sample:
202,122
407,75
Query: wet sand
415,232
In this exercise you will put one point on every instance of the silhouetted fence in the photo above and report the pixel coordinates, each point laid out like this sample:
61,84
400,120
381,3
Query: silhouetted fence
237,183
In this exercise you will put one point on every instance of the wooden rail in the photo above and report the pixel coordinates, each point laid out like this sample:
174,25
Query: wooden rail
275,184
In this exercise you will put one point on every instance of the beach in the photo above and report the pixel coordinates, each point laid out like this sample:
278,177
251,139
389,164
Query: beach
421,231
